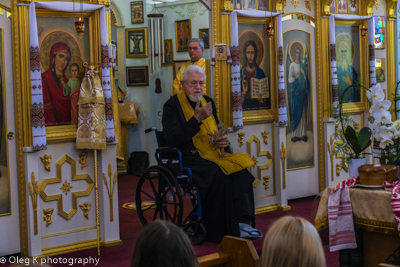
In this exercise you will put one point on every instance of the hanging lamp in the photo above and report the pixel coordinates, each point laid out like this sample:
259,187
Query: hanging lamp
80,24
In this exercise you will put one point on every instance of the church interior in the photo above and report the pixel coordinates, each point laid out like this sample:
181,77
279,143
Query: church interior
306,91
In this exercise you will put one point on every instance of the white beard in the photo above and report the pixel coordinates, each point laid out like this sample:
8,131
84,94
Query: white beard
195,98
343,64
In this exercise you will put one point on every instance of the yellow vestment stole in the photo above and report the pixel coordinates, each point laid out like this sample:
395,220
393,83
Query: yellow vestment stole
231,163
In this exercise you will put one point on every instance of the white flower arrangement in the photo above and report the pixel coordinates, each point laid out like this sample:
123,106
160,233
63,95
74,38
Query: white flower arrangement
384,129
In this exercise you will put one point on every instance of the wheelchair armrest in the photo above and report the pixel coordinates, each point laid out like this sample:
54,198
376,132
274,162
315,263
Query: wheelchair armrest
166,150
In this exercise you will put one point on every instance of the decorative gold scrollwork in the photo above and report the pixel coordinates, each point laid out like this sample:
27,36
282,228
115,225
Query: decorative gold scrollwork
327,6
82,159
240,139
266,181
308,5
377,4
280,6
58,179
331,154
66,187
255,160
228,5
34,192
110,189
266,153
391,9
265,135
295,3
85,207
47,216
46,161
283,158
337,169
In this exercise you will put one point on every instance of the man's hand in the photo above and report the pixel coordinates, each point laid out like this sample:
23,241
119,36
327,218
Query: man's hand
222,141
202,113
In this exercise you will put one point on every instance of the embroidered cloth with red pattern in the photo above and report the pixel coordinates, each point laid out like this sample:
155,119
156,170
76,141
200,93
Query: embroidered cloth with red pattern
340,214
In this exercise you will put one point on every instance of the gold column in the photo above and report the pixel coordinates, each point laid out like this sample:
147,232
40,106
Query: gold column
390,59
20,38
324,96
23,19
222,71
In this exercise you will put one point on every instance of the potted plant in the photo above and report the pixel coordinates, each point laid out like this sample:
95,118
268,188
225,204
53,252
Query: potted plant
354,144
386,131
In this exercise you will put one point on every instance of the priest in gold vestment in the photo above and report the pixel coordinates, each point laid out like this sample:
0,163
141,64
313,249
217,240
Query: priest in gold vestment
225,184
196,49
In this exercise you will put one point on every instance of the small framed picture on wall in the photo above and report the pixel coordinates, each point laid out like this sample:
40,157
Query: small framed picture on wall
137,76
203,35
183,33
177,64
137,12
168,53
136,42
380,70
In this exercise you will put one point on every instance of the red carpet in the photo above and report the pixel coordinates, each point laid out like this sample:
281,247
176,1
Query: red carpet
130,227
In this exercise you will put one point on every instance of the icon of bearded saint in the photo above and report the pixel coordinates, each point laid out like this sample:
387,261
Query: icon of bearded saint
346,74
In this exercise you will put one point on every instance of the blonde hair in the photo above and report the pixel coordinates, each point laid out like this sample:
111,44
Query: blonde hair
292,242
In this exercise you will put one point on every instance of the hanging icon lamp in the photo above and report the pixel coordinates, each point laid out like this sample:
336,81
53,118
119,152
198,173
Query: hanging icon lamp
80,24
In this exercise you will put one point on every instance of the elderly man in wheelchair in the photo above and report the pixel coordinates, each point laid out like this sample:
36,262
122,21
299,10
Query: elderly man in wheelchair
224,184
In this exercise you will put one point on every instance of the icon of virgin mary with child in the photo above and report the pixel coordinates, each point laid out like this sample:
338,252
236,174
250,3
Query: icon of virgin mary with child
60,94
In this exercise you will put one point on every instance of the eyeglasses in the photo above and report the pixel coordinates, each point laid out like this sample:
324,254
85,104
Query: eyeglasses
344,51
194,48
194,83
298,53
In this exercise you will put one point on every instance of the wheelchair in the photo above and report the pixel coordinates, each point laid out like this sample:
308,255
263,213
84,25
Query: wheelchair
162,188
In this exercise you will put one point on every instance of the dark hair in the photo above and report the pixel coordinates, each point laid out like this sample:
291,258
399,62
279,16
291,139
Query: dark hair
247,44
162,243
200,41
73,65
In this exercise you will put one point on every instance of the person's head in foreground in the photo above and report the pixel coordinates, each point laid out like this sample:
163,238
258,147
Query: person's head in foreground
292,242
193,80
161,243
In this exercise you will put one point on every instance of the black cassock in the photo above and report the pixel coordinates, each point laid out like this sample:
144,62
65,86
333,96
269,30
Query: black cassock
227,199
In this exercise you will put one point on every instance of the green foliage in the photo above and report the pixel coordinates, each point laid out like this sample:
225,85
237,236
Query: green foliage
203,12
180,13
358,142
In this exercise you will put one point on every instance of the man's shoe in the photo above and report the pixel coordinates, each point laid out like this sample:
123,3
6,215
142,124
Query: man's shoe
248,232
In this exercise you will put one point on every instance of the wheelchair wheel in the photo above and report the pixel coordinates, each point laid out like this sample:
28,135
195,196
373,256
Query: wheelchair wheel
196,232
161,196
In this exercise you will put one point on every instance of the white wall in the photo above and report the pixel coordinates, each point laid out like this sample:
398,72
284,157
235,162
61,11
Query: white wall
150,103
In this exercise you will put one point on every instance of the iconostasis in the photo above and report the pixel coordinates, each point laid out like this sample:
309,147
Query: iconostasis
60,207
